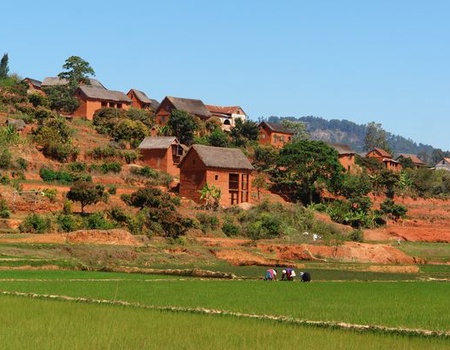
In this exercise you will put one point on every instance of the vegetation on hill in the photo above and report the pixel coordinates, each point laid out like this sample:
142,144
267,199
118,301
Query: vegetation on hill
352,134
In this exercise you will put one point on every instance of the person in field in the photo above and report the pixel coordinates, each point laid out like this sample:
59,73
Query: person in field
289,274
283,275
271,275
305,277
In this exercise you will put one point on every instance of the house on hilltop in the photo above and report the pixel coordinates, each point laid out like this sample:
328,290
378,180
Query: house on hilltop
226,168
416,162
34,86
162,153
92,98
384,157
140,100
56,81
227,115
346,156
274,134
191,106
443,164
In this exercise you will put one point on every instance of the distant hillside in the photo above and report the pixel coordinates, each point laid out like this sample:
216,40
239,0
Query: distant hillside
352,134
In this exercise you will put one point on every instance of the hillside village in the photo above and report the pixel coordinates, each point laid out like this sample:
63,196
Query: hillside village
166,168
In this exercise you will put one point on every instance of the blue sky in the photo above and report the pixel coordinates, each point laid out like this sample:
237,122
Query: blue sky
386,61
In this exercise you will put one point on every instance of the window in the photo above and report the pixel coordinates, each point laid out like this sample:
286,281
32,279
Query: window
216,177
233,183
119,105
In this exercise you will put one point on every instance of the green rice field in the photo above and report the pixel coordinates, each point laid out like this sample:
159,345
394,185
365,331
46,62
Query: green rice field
94,310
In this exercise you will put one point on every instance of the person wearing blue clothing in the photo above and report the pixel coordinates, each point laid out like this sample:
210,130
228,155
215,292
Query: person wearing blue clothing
305,277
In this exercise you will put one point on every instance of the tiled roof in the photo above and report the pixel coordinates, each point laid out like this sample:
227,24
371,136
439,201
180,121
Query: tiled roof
381,152
223,109
276,127
413,158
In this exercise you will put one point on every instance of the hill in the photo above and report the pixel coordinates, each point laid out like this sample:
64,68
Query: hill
352,134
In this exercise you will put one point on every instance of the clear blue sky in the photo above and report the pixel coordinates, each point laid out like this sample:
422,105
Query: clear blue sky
386,61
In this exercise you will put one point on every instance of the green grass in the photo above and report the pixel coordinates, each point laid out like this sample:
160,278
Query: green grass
436,252
393,304
41,324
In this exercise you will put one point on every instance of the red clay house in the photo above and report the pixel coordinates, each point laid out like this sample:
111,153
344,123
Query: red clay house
346,156
34,86
384,157
227,115
162,153
140,100
274,134
225,168
417,163
92,98
193,107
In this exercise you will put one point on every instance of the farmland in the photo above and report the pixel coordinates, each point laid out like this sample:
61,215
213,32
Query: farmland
113,310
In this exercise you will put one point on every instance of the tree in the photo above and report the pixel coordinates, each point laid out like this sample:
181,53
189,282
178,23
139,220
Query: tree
61,97
129,130
182,125
211,195
243,132
4,69
304,168
218,138
375,137
298,128
77,72
86,193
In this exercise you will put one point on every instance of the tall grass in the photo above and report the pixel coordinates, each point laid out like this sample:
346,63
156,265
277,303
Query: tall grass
41,324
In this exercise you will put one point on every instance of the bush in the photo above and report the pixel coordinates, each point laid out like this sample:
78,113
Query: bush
112,189
99,222
112,167
67,223
4,209
207,222
5,159
77,167
130,156
229,228
393,210
356,236
35,223
22,163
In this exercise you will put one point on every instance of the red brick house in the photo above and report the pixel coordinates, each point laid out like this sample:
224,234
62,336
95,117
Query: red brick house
274,134
162,153
417,163
225,168
227,115
346,156
191,106
92,98
384,157
140,100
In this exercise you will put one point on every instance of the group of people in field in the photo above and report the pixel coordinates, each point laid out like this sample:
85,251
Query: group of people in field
287,274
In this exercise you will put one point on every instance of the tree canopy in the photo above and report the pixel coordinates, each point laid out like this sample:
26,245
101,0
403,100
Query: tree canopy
306,167
76,71
375,137
182,125
4,69
86,193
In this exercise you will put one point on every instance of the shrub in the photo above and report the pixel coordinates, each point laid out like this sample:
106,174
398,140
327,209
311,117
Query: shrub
118,215
207,222
22,163
229,228
50,193
77,167
395,211
356,236
4,209
112,167
112,189
35,223
99,222
130,156
67,223
5,159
